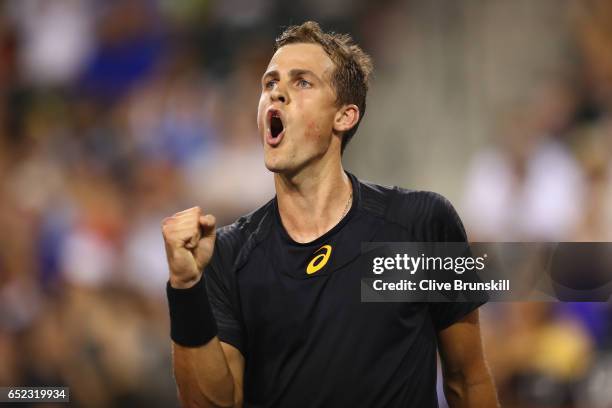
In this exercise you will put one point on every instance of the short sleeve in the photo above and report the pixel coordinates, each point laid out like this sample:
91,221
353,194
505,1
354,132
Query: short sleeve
448,225
223,297
449,228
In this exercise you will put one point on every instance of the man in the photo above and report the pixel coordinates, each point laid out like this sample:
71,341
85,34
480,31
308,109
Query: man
267,312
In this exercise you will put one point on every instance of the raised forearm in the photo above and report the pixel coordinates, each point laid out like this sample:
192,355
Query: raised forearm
203,376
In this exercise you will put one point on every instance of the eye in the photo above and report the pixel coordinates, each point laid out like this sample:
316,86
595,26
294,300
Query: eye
269,84
302,83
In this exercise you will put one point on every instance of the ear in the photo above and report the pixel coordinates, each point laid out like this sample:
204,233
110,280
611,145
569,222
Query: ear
346,117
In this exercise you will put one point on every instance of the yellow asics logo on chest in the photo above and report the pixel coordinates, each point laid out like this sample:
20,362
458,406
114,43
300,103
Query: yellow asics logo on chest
320,260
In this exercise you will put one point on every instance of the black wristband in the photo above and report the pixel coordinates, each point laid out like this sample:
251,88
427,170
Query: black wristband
192,323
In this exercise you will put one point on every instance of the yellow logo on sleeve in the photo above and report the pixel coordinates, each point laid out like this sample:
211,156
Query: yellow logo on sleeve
320,260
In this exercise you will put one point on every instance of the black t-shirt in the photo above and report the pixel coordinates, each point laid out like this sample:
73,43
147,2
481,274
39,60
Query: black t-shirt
307,339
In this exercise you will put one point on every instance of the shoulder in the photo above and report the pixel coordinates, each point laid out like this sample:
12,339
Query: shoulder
414,209
424,204
395,203
242,235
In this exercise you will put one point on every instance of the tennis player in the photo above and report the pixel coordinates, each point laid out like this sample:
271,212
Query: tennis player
266,312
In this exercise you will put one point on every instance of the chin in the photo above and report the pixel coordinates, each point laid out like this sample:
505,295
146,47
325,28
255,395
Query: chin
280,166
274,164
274,169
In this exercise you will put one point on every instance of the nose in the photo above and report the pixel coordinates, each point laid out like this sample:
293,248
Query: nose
278,94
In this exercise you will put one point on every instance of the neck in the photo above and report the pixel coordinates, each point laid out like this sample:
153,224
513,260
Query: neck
312,201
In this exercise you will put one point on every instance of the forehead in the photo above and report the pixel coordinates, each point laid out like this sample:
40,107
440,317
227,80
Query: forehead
301,56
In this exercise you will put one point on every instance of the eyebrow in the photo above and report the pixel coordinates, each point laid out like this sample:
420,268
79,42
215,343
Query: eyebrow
292,73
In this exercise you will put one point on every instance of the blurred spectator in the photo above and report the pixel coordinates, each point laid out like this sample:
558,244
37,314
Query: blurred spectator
543,358
591,24
129,47
56,38
527,187
593,147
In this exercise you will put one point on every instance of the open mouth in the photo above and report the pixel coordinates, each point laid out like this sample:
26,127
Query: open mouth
276,127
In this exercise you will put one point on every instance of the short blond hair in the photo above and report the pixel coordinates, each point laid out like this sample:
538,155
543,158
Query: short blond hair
353,66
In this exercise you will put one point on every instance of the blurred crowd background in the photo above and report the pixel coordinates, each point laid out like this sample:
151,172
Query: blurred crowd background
115,114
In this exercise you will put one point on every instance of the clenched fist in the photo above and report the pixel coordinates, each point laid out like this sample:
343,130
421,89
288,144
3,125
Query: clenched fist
189,238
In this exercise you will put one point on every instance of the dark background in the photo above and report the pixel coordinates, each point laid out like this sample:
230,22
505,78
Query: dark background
115,114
